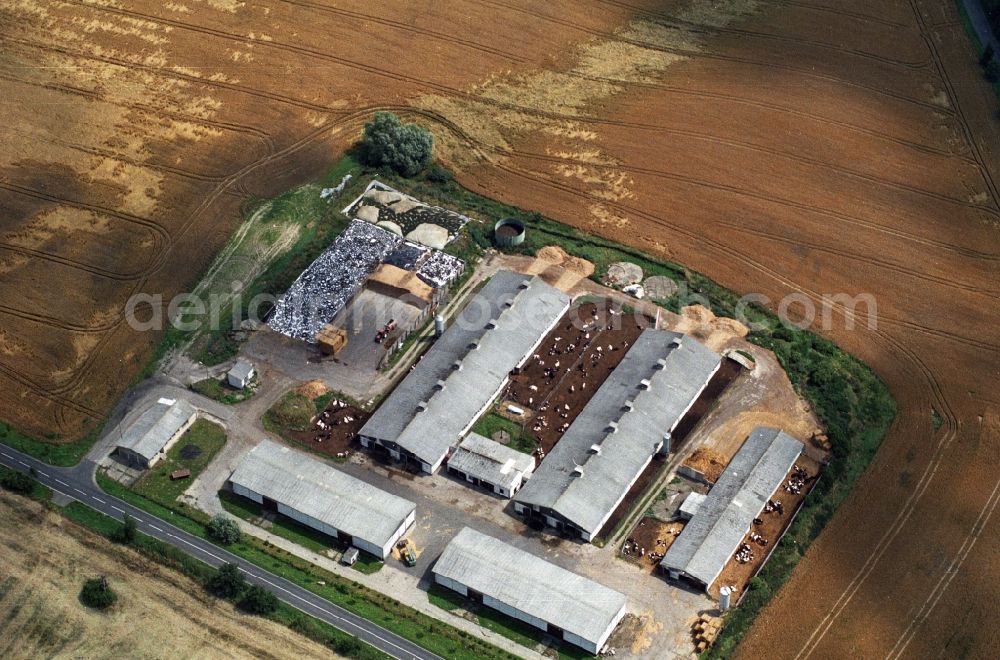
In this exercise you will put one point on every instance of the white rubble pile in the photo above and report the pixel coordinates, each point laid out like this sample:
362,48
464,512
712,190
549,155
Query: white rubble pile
331,280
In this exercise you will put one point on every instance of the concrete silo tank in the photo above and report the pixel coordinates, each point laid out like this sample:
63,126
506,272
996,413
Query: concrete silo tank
508,233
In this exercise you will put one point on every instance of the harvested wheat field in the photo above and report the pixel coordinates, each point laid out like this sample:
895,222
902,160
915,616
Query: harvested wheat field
812,148
159,614
815,147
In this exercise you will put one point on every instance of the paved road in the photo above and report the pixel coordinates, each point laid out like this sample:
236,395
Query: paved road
78,484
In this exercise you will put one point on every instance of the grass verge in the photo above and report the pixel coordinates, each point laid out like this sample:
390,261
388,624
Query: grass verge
200,443
216,389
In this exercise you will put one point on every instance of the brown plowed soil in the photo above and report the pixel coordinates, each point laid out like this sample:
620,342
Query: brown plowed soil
820,160
843,146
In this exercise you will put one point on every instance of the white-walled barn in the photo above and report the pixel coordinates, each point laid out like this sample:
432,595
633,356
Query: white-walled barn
530,589
323,498
459,377
491,465
149,438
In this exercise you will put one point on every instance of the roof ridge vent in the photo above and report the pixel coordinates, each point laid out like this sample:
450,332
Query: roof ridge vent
525,283
595,448
422,406
645,383
439,385
613,425
661,363
456,365
629,404
676,342
492,323
577,470
473,345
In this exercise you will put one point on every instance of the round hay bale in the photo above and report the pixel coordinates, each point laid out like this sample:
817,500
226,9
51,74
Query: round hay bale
389,225
430,235
621,273
383,197
404,205
367,213
659,287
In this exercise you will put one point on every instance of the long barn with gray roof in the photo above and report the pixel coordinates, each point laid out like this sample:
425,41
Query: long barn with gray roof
525,587
629,420
149,438
463,372
723,518
323,498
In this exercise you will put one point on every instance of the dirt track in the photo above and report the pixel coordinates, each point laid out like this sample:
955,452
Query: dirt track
776,146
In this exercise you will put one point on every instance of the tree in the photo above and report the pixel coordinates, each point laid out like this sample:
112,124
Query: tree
258,600
224,530
227,582
17,482
97,593
126,533
404,148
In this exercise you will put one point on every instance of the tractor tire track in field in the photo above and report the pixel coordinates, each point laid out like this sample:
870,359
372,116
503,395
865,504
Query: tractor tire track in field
406,27
959,113
953,568
73,263
868,18
846,254
820,631
160,235
461,94
695,54
115,156
53,322
776,107
772,199
265,138
176,75
441,88
696,28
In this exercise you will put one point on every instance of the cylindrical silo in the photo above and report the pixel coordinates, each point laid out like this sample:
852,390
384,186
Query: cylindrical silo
509,232
725,593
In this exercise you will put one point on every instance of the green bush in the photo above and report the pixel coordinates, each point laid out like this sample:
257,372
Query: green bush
96,593
403,148
18,482
224,530
258,600
126,532
437,174
228,582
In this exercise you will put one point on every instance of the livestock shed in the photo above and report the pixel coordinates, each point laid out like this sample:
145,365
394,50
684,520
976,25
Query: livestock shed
530,589
723,518
149,438
463,372
323,498
489,464
628,421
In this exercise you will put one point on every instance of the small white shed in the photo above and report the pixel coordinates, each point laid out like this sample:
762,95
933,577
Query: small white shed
241,373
